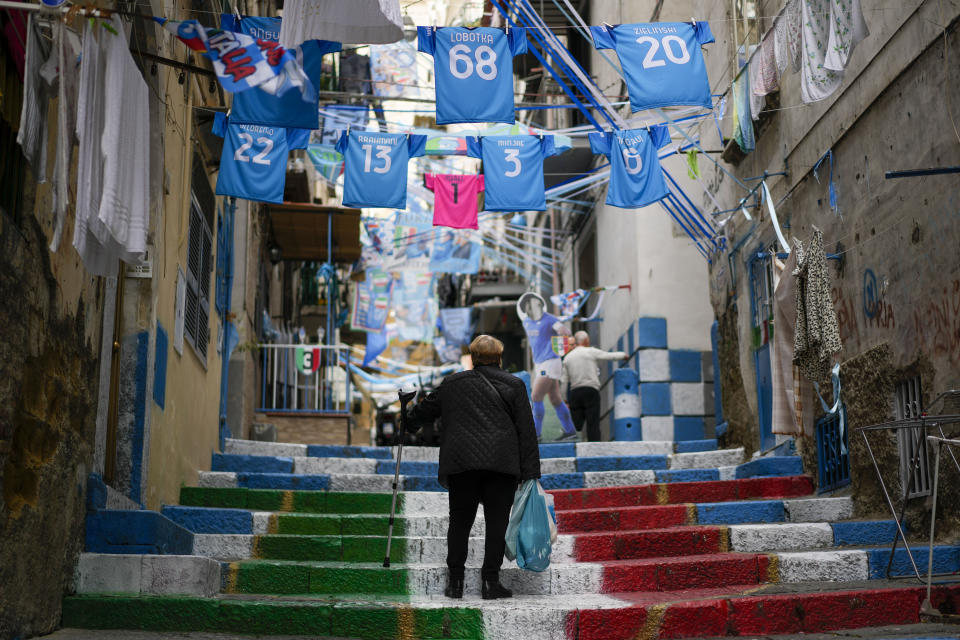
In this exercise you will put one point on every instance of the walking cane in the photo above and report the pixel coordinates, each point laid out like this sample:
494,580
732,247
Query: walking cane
404,399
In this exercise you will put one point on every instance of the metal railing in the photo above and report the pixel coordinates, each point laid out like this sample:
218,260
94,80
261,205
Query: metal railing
304,378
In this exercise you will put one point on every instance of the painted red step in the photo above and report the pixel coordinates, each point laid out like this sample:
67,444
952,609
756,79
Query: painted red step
650,543
677,574
714,613
620,518
683,492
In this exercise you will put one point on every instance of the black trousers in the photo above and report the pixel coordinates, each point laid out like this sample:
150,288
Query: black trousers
468,490
585,404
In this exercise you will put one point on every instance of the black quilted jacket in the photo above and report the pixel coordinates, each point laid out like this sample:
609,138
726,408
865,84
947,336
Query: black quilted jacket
477,432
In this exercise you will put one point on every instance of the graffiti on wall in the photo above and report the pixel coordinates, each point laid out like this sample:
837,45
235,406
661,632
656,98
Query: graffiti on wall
936,323
846,316
877,311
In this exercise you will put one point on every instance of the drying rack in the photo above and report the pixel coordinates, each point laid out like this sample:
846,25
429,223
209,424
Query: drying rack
919,434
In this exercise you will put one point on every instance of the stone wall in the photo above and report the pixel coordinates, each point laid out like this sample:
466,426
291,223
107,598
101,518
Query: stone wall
896,289
48,402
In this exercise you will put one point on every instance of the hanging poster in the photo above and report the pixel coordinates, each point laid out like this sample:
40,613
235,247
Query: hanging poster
338,117
371,302
411,242
393,69
414,302
456,251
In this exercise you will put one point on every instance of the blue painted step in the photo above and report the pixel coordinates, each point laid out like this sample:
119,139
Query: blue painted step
694,446
135,531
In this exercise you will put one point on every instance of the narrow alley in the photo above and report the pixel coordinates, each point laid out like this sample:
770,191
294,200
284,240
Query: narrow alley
293,288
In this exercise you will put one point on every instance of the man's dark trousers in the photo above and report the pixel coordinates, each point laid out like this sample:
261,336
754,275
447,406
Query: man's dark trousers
468,490
585,404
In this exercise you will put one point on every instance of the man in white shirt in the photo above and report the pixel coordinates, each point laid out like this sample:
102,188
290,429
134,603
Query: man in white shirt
580,372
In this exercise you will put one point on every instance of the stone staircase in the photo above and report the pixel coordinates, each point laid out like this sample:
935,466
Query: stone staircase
657,540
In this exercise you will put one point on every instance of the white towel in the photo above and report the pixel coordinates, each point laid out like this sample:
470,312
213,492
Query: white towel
125,145
67,47
817,82
848,28
366,21
98,258
32,136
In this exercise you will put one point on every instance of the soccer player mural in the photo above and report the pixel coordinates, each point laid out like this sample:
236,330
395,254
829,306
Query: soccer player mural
540,327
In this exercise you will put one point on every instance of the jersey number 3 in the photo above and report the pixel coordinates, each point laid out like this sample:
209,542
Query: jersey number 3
513,157
650,61
260,158
486,62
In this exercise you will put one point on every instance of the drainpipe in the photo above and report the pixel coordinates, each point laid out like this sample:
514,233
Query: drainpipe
227,248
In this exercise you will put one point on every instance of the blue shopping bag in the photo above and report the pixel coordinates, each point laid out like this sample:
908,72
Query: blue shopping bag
530,531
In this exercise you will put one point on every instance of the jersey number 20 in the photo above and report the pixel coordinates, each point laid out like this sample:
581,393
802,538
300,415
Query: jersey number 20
486,62
650,61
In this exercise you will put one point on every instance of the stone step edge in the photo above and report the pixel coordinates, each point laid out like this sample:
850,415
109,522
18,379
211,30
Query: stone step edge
309,501
766,538
708,570
645,447
727,459
227,520
382,482
733,614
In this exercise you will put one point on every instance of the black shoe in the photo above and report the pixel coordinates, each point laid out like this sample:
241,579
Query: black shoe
454,588
492,589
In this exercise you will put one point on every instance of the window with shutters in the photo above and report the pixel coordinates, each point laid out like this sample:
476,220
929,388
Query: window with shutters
196,317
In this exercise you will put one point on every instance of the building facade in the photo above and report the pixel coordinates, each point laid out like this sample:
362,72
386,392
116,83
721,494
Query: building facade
890,242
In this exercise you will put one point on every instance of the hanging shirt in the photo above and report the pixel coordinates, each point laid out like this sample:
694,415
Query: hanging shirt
539,333
473,70
513,170
636,178
662,62
253,164
455,199
375,167
256,106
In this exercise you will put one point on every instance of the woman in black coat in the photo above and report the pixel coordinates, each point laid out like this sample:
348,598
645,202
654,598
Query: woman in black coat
488,446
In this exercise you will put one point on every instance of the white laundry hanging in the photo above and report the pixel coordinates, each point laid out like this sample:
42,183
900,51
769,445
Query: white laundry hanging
349,21
125,146
99,258
32,136
66,53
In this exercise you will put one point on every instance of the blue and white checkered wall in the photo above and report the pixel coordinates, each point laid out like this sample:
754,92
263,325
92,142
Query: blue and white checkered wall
676,385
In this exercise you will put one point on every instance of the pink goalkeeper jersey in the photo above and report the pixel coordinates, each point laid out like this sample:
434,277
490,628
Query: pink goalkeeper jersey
455,199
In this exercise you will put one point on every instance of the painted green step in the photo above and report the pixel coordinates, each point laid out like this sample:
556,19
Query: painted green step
287,501
329,548
383,621
292,578
334,525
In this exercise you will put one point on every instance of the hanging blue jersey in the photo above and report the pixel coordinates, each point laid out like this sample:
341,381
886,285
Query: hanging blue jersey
375,167
473,70
662,62
512,170
636,178
253,164
256,106
539,333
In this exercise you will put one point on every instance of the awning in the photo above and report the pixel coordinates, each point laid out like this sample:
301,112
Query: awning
300,230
